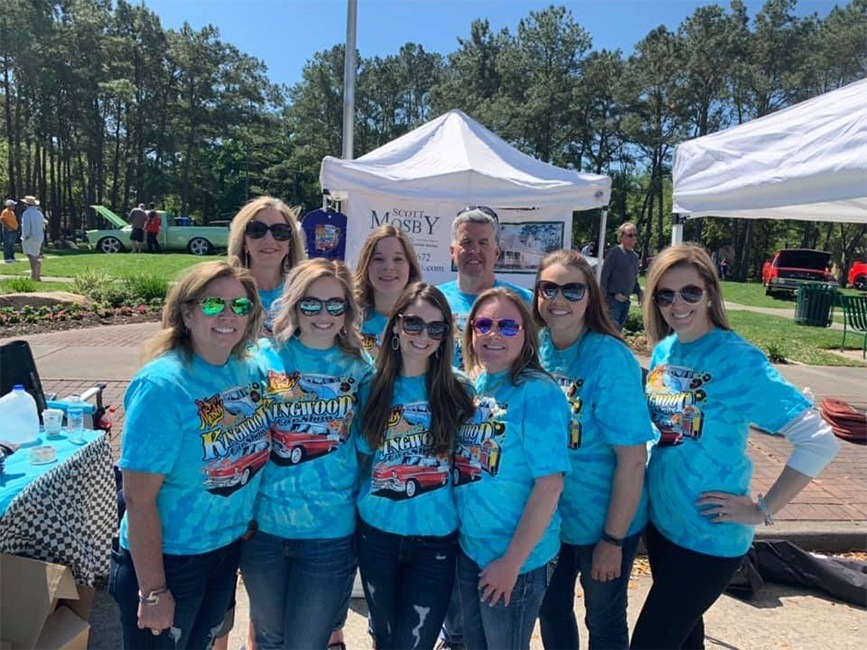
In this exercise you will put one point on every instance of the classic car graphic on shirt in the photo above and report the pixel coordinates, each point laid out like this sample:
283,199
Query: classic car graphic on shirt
410,476
479,442
229,474
311,413
572,390
674,396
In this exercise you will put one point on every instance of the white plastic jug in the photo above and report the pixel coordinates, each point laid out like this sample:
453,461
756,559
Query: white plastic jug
19,419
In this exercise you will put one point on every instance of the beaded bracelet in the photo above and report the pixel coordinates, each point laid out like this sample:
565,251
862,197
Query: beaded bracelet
763,508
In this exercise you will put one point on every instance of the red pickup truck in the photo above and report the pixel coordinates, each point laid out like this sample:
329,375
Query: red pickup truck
858,276
794,267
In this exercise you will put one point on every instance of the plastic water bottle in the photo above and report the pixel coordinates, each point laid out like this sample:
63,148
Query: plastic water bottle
19,418
75,418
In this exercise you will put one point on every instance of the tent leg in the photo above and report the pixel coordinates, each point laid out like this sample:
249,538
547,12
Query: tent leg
600,248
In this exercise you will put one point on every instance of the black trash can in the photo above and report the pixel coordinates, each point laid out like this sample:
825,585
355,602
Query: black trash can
815,304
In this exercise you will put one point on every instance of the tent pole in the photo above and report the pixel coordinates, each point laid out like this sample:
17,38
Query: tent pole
677,228
349,72
600,247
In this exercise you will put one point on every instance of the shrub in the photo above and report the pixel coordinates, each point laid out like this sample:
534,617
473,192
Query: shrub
146,288
19,285
634,323
776,353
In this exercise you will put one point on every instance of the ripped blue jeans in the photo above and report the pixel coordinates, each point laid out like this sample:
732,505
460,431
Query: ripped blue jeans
407,582
203,587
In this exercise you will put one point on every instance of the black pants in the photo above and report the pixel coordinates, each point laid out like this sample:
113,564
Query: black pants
685,585
153,244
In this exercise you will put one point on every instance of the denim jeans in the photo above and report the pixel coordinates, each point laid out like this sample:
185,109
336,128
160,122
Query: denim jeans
501,627
604,602
619,310
452,633
685,584
296,588
203,587
407,582
9,237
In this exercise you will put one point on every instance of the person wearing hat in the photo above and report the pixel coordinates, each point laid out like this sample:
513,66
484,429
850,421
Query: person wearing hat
32,236
10,231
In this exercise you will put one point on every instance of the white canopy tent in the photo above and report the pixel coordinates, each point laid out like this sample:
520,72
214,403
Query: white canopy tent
807,162
420,181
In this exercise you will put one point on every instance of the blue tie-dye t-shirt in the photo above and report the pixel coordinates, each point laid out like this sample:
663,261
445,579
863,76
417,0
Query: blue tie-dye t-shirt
461,303
271,305
703,396
409,491
205,428
517,435
309,486
372,330
602,382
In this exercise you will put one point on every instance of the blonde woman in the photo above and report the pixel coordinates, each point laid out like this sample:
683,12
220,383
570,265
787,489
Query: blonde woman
194,443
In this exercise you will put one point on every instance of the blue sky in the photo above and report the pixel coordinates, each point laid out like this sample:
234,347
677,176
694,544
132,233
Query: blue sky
286,33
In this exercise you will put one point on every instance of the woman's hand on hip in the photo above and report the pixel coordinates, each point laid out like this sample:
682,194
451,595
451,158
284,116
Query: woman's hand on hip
723,507
497,580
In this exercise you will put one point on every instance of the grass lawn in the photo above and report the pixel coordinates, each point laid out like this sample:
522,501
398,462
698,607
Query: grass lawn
752,294
67,264
806,345
38,286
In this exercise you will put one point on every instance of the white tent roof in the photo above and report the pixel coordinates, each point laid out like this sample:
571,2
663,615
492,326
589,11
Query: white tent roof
454,158
806,162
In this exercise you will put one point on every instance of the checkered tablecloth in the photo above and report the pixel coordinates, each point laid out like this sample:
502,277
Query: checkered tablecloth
68,515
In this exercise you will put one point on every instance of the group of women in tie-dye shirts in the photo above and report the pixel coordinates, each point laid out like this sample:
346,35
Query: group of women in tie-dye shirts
347,438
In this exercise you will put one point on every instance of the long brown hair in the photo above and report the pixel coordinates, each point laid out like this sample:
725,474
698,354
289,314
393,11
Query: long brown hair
237,252
297,283
191,287
682,255
448,397
528,360
596,318
363,288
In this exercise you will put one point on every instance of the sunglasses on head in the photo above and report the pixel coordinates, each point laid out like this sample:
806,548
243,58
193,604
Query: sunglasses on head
481,208
214,306
689,294
257,230
414,325
572,291
505,326
312,306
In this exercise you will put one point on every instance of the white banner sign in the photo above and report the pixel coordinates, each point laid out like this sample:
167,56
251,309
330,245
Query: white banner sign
527,234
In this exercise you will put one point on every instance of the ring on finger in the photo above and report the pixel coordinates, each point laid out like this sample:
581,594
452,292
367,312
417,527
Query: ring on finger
155,631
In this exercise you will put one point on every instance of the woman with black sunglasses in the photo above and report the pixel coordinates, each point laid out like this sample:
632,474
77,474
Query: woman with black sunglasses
509,465
264,237
302,555
195,439
407,538
705,388
603,507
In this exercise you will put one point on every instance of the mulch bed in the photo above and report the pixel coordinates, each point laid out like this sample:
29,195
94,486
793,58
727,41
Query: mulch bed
86,320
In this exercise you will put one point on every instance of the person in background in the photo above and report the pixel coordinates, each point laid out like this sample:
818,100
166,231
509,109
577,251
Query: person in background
407,539
33,236
514,459
173,575
387,263
264,237
620,274
137,219
298,563
152,230
706,387
9,224
603,507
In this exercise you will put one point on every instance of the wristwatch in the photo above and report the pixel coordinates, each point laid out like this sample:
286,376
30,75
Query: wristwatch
611,539
153,598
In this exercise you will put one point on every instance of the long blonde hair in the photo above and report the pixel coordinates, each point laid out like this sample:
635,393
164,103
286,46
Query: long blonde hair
683,255
237,252
297,283
191,287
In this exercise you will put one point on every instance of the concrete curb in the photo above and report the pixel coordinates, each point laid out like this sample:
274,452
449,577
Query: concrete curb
832,536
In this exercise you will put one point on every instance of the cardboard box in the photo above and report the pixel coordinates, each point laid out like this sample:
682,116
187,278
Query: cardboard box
41,607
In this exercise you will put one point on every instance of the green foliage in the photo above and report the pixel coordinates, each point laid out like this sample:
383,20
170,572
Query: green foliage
18,285
775,353
103,287
634,323
146,288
